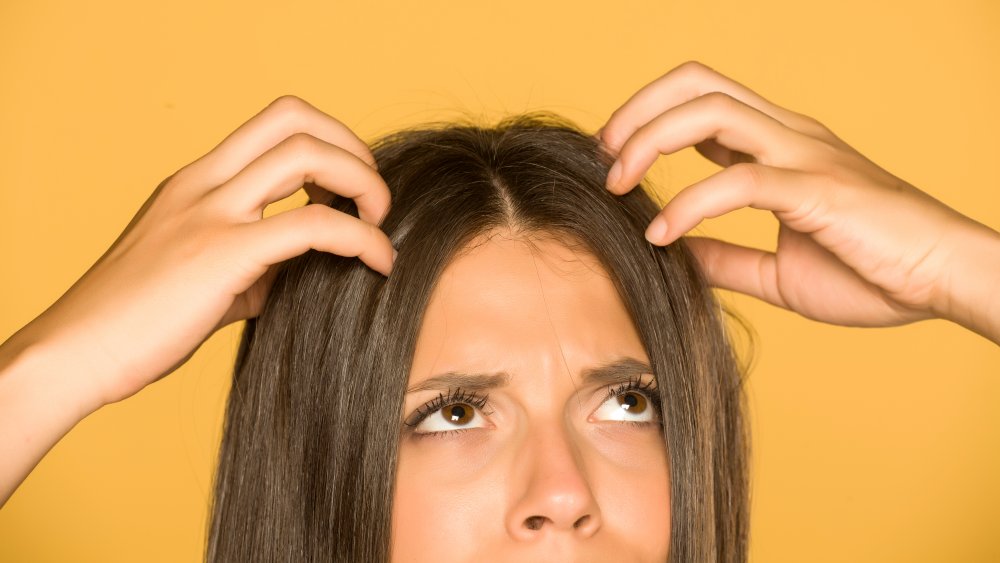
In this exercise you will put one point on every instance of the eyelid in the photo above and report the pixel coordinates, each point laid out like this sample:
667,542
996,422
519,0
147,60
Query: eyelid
649,390
650,387
437,423
452,396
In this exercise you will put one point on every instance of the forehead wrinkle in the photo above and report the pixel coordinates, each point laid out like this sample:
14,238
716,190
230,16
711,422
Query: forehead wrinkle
553,258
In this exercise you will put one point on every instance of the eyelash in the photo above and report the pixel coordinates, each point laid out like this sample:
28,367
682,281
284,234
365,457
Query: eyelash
459,395
648,390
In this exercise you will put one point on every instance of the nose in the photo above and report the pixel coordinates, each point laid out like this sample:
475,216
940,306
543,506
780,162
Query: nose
553,494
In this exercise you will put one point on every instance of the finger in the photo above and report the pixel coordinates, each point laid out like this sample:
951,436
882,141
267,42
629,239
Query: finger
685,83
741,185
299,159
316,226
713,116
738,268
281,119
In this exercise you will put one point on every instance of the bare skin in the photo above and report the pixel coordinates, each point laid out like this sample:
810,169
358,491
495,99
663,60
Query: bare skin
549,467
857,246
198,255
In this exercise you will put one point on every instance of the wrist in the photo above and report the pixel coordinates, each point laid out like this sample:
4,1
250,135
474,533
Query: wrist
41,400
970,290
53,370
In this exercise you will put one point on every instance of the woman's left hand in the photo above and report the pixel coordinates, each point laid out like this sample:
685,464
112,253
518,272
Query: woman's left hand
856,245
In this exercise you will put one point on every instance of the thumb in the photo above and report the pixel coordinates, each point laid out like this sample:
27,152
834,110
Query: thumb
738,268
250,303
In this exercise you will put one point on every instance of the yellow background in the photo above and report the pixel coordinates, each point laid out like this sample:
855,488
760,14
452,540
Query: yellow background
870,445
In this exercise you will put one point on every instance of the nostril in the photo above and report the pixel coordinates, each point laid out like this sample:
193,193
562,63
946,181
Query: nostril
534,522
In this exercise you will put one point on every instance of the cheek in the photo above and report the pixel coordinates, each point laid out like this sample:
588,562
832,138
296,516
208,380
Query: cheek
447,500
633,488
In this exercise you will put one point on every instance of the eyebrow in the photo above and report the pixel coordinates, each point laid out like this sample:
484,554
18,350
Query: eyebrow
616,371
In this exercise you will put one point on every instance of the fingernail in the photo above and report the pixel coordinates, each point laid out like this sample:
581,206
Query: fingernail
656,230
614,174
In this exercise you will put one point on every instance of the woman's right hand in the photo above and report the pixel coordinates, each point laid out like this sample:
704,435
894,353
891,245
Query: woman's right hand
199,255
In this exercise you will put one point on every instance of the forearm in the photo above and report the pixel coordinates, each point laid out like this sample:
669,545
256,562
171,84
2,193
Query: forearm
971,294
40,402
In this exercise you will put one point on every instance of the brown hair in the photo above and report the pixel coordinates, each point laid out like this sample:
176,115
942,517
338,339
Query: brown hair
304,474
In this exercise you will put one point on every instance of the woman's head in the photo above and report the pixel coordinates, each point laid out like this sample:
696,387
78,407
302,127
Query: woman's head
587,372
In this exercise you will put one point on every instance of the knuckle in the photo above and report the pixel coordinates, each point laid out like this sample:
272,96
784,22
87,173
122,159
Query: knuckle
812,121
189,174
300,140
616,114
287,104
719,101
818,154
302,146
319,219
317,215
177,190
191,178
289,110
750,175
814,126
693,67
213,207
170,184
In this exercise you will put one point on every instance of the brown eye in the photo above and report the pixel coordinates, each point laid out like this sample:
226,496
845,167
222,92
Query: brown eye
458,413
461,412
634,403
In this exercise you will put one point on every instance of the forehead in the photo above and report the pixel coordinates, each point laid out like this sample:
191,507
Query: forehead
506,304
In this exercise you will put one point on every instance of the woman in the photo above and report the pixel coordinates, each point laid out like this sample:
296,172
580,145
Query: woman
594,352
197,257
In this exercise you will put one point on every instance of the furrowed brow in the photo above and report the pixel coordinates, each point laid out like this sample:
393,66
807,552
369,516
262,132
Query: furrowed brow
618,371
467,381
